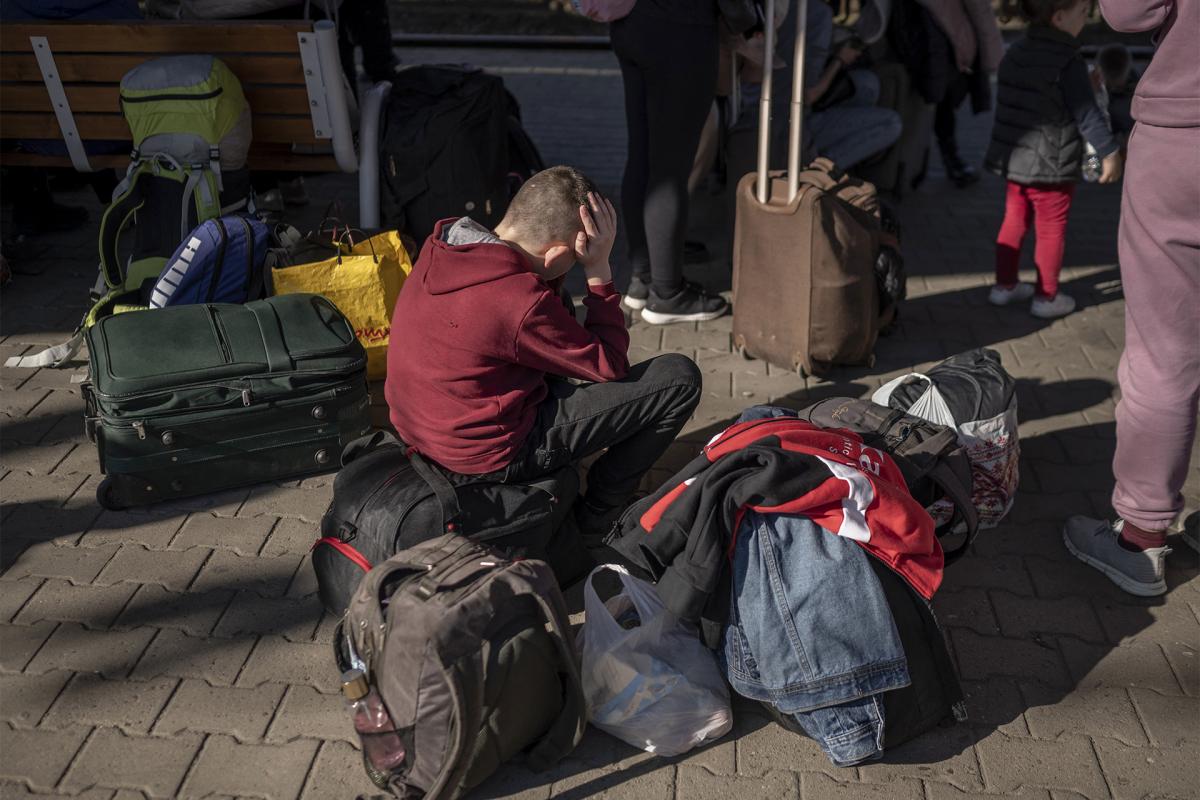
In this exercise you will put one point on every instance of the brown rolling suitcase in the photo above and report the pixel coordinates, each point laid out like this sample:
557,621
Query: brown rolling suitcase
805,242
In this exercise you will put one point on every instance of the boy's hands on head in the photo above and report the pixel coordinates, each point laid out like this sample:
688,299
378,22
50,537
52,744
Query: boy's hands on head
594,243
1112,167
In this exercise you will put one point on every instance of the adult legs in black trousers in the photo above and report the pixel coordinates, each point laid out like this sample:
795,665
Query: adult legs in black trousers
670,73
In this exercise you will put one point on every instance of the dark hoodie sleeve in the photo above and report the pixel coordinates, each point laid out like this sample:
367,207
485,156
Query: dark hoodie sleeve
551,340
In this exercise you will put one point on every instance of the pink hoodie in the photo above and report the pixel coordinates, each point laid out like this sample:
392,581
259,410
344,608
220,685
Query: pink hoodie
1168,94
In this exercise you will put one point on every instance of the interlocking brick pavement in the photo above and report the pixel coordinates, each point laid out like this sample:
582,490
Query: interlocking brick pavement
181,651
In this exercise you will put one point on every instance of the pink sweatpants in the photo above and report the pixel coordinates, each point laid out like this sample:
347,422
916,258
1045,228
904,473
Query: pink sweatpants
1159,248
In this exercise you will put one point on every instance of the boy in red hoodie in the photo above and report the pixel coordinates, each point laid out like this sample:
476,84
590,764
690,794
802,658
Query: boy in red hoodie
480,335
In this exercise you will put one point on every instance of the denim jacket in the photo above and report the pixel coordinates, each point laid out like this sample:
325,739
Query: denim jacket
811,633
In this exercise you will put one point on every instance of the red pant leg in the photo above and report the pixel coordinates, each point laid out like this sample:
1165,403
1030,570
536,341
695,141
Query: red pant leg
1051,206
1017,212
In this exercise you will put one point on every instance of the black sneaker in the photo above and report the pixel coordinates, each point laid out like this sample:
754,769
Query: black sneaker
635,295
961,173
689,304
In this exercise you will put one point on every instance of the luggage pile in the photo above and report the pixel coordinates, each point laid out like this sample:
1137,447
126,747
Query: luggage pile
254,362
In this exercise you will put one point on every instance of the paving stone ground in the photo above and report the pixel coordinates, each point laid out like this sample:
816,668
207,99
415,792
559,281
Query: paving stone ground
180,651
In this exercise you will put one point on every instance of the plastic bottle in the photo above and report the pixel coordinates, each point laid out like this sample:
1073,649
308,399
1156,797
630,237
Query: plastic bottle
382,746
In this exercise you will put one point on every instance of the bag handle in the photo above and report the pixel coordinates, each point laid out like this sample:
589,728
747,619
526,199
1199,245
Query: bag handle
370,240
278,357
646,606
442,488
796,126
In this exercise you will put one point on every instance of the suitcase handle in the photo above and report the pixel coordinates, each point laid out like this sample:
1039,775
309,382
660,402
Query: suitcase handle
796,126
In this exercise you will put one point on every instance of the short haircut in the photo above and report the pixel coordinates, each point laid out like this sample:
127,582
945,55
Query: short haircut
546,208
1114,61
1035,12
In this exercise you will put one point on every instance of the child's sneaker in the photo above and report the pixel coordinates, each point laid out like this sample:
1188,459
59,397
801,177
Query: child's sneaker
635,295
1094,542
1001,296
689,304
1060,306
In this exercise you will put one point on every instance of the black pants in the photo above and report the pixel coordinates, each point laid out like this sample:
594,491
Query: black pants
945,123
636,418
670,76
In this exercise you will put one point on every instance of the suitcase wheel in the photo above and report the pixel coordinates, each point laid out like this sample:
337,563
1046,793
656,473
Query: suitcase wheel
106,495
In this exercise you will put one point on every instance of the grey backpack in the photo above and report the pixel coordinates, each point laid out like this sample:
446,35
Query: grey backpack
933,463
473,656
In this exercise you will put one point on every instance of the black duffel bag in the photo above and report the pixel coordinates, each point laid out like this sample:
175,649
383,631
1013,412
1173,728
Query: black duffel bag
386,498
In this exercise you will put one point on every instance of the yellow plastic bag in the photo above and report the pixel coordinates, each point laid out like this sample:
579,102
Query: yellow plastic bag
363,282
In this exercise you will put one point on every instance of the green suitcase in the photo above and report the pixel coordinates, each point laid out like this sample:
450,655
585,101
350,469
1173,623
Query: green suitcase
194,399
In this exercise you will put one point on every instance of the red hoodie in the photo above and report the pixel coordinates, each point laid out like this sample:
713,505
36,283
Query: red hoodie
473,337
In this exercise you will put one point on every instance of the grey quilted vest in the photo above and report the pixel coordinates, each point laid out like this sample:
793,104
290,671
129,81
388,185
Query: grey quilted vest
1034,137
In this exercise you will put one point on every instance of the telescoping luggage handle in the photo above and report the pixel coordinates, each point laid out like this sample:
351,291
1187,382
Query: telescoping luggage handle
796,127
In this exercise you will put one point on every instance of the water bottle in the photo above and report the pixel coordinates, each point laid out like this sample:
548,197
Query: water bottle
382,746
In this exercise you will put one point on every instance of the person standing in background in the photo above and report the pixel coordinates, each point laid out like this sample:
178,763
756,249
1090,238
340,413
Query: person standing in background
667,50
1159,250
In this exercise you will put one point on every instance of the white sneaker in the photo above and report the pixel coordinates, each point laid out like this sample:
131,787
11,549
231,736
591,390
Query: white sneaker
999,296
1060,306
1094,542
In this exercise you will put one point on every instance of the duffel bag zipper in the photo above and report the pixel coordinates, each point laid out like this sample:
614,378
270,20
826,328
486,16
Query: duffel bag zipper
346,550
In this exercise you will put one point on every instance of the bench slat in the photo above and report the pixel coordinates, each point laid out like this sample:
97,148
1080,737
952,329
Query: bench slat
283,130
260,159
159,37
106,98
110,68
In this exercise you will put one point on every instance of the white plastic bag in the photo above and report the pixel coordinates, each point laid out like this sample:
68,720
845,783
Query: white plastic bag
992,445
648,680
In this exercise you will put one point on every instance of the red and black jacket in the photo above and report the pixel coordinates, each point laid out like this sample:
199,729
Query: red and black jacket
683,534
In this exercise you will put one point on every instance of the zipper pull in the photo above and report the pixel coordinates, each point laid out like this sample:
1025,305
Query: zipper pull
245,397
140,427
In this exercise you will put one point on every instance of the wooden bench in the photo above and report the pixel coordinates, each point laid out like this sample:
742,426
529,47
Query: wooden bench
61,80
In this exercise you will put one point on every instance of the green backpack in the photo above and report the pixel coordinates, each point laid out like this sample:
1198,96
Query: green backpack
191,135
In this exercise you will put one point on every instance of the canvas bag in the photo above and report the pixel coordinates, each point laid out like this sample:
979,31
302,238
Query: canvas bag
473,656
363,280
972,393
191,135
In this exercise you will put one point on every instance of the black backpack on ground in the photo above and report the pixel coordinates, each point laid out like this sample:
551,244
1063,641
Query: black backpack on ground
933,463
934,694
386,498
452,146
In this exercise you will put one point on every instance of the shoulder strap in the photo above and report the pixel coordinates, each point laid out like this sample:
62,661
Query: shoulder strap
255,277
964,508
465,682
115,218
445,492
566,731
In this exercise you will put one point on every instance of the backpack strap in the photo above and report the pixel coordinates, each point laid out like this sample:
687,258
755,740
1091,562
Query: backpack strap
964,508
566,731
465,681
116,217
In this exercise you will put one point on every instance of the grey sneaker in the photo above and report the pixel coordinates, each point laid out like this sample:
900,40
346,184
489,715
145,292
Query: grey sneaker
1094,542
